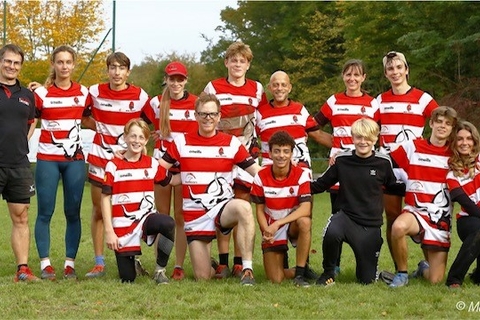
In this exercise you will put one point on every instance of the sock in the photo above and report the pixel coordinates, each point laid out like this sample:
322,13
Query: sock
178,267
285,260
237,260
100,261
402,271
299,271
247,264
44,263
69,263
223,257
158,268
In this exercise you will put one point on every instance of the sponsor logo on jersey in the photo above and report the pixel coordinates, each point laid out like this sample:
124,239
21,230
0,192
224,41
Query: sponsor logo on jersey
125,175
25,101
123,198
195,151
109,105
55,102
190,178
416,186
53,125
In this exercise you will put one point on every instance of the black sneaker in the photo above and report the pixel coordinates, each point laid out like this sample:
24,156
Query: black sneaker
386,276
325,280
299,281
310,274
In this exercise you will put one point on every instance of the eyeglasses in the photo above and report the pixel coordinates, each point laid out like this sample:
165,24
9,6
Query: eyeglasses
205,115
9,62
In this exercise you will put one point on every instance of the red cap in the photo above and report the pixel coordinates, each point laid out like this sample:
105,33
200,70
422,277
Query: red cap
176,68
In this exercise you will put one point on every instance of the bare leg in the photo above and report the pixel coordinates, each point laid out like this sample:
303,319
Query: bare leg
20,238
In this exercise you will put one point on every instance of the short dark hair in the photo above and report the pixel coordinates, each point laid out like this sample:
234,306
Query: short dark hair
281,138
119,57
12,48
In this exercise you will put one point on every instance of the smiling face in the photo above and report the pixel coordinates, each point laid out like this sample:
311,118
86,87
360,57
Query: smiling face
280,87
135,140
281,156
396,72
465,142
207,115
353,79
11,64
176,85
441,128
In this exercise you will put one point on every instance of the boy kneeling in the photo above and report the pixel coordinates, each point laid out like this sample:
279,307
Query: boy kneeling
362,174
282,196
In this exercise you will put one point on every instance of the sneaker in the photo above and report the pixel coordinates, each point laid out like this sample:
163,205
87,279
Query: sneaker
325,280
222,271
178,274
48,273
139,269
160,276
25,275
336,271
299,281
454,286
96,272
247,278
237,270
400,280
310,274
422,266
386,276
69,273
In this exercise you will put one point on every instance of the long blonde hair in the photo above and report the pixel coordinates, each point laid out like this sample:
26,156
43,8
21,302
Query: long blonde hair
52,76
459,163
164,112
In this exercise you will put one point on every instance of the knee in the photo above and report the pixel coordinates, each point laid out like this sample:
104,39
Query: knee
304,224
399,228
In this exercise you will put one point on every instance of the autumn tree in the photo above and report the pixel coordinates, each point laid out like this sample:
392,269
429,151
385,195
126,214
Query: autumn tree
40,26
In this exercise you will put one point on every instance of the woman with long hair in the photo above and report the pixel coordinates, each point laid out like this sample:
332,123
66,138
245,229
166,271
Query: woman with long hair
174,109
463,181
61,106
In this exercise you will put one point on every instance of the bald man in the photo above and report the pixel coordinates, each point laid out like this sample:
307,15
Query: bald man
283,114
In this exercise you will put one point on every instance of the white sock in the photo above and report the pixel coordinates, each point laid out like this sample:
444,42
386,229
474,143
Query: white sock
247,264
69,263
44,263
158,268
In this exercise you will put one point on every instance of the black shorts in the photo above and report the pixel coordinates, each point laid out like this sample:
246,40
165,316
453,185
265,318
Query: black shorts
16,184
397,190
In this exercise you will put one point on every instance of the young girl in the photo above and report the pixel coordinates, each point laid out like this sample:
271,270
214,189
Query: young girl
174,110
463,181
128,206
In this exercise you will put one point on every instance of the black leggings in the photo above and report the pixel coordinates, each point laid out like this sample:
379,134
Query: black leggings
158,224
468,229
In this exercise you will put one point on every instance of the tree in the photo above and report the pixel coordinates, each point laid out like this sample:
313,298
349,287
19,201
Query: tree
41,26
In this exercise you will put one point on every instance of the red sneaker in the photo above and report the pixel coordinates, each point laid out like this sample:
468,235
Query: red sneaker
25,275
48,273
222,271
178,274
69,273
97,271
237,270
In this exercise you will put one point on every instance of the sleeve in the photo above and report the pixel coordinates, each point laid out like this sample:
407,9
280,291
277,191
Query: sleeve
311,124
459,195
163,176
38,105
432,105
399,156
390,181
257,195
108,180
304,191
242,158
326,180
148,114
324,115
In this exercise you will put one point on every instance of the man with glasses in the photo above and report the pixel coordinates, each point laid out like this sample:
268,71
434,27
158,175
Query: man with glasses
403,112
206,159
17,113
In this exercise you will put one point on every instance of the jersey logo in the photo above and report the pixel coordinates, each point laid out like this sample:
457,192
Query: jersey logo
71,145
373,172
24,101
131,105
187,114
438,210
76,100
145,206
217,191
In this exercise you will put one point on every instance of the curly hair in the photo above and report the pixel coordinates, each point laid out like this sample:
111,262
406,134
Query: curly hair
463,164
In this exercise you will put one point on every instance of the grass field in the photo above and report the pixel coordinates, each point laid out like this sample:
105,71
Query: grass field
107,298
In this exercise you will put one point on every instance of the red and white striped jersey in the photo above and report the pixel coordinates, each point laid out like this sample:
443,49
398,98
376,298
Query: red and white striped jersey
281,197
111,111
294,119
131,186
403,116
426,166
238,105
61,113
182,119
470,186
342,111
206,170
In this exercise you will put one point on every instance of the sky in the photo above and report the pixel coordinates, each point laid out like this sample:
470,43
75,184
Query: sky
151,27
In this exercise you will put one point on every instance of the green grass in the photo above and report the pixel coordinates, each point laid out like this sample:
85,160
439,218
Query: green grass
108,298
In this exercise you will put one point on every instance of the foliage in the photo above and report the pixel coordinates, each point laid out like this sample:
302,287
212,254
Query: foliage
109,299
41,26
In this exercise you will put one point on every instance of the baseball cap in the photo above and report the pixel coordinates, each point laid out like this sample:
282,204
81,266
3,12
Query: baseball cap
176,68
394,55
